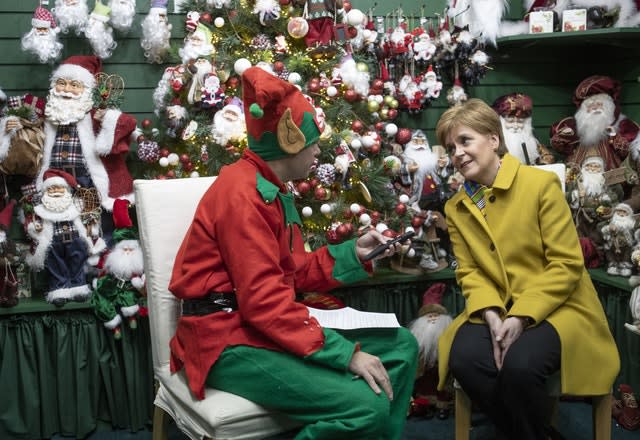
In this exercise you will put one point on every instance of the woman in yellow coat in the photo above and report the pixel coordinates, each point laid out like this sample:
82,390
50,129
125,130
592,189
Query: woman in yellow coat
531,308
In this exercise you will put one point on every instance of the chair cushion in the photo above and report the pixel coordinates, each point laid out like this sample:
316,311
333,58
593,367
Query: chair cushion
220,415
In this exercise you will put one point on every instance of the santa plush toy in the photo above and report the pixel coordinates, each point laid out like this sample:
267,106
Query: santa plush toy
515,111
156,33
598,127
433,319
42,39
116,293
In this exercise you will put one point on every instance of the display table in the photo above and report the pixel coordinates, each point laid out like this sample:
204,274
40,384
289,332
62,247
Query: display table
62,372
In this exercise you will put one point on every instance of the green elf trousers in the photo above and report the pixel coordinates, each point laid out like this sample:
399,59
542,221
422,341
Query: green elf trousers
331,403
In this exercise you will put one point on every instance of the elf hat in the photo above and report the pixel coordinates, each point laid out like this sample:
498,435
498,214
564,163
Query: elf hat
432,299
79,67
597,84
513,105
43,18
280,120
58,177
6,214
121,218
159,6
101,12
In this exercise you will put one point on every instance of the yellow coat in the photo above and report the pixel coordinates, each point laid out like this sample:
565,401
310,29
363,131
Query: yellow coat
526,253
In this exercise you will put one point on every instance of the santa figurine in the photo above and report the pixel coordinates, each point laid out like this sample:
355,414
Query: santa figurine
515,111
99,32
456,94
156,33
228,124
598,127
61,244
118,290
423,47
419,172
122,14
71,15
618,235
197,44
42,39
8,280
432,320
430,85
90,144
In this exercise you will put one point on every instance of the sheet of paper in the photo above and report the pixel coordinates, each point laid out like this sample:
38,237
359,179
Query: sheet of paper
348,318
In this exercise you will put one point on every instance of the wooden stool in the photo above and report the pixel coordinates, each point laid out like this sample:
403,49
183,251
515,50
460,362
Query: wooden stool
601,410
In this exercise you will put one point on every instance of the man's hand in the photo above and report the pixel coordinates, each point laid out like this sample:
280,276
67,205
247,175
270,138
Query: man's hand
372,239
370,368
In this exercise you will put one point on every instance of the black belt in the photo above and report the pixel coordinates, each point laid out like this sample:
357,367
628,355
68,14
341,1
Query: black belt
210,303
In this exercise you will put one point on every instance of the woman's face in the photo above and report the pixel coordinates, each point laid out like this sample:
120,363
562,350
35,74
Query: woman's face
474,154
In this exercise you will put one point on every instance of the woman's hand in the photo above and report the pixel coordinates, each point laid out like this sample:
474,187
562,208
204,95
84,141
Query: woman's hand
509,330
371,240
494,321
370,368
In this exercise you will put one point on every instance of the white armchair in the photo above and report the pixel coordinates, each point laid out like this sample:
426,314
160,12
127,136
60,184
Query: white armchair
165,209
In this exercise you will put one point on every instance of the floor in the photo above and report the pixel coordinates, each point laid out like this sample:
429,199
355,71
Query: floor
575,420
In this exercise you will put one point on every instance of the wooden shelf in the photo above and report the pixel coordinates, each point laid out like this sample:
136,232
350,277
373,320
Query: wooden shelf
625,38
39,305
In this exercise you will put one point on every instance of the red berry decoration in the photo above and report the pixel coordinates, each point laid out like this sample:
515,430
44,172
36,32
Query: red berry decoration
403,136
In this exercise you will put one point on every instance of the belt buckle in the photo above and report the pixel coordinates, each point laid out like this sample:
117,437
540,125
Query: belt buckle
225,303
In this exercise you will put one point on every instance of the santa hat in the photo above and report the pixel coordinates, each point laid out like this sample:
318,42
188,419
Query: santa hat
43,18
101,12
159,6
430,71
79,67
598,84
280,120
513,105
58,177
6,214
432,300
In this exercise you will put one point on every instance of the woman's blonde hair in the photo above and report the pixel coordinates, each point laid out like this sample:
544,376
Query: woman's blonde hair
475,114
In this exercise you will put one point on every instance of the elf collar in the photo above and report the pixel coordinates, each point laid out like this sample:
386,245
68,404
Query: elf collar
269,192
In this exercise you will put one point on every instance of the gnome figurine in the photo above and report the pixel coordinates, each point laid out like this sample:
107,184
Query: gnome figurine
117,291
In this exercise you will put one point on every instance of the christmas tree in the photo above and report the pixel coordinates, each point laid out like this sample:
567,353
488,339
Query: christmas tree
360,72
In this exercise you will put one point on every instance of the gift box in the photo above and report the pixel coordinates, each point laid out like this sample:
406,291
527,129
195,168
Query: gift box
574,20
540,22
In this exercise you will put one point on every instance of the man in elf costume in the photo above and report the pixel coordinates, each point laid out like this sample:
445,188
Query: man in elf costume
89,144
239,268
598,127
117,291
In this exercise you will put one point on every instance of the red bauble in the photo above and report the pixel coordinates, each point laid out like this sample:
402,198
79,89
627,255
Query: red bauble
375,148
377,84
284,2
233,82
332,236
347,213
393,113
171,174
349,229
417,222
164,152
184,158
188,167
321,193
390,233
314,86
343,231
403,136
346,6
357,126
351,96
304,187
401,209
161,177
278,66
146,123
375,216
205,17
352,32
379,126
314,182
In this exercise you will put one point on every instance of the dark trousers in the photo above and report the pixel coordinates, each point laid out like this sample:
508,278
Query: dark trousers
514,397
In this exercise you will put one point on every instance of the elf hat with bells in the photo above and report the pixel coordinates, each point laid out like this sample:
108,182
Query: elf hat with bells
280,120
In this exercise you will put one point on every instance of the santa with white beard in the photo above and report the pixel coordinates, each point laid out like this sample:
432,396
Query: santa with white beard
42,39
228,125
71,15
62,246
122,14
118,289
419,170
156,32
99,32
197,44
618,237
92,145
515,116
598,127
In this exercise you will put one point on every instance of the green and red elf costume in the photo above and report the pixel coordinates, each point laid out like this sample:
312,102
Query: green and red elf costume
245,241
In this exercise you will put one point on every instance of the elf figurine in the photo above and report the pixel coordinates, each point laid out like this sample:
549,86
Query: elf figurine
116,293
